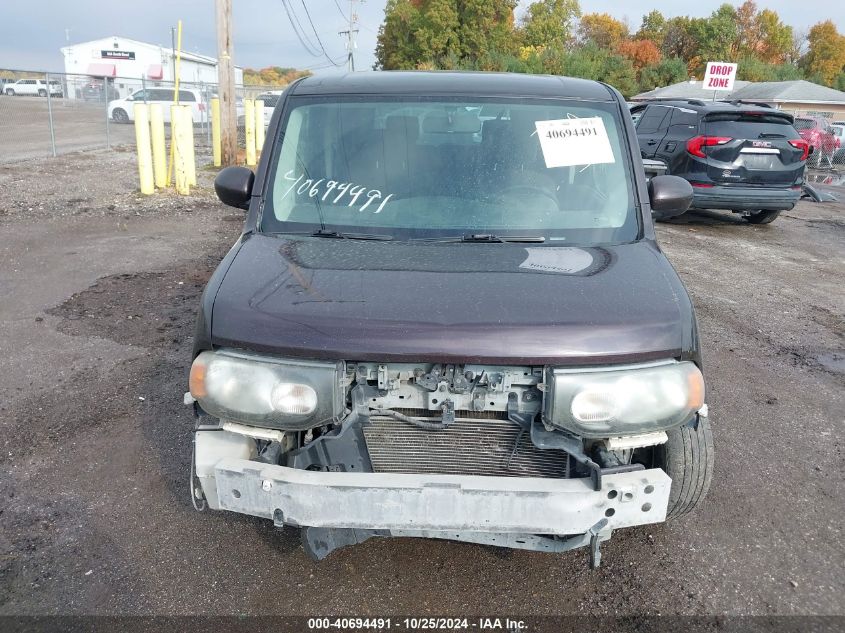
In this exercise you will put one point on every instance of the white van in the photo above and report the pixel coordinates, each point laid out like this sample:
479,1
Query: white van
123,110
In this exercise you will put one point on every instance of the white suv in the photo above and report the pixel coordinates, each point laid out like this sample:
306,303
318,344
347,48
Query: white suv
123,110
33,87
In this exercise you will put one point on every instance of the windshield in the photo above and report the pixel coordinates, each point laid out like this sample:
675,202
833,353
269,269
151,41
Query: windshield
414,168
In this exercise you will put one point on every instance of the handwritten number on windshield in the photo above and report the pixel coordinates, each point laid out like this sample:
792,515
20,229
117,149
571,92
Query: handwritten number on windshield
325,189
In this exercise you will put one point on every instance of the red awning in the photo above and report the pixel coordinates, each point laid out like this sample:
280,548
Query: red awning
102,70
155,71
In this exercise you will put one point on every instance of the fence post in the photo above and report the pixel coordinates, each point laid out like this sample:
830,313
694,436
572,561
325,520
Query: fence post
159,145
215,131
259,126
106,91
50,113
145,154
249,123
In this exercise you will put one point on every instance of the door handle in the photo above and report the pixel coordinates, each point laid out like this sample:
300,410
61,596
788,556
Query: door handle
652,142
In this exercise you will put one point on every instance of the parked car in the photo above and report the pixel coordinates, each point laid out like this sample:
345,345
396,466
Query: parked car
447,327
99,91
122,110
270,100
33,87
743,158
819,134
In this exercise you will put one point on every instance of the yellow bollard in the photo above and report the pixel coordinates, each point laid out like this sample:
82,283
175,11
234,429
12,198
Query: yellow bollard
191,161
215,132
249,124
159,145
177,144
259,126
142,141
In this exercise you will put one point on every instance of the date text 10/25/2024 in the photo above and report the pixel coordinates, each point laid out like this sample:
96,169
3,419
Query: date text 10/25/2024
417,624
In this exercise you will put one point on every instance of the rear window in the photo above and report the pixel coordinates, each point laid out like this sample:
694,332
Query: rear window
738,125
804,124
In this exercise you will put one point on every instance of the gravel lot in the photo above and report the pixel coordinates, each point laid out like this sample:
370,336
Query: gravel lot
99,288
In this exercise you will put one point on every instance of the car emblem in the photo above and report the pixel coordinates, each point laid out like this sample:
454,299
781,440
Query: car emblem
761,144
726,174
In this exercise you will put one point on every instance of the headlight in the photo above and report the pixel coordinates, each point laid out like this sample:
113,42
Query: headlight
288,394
623,400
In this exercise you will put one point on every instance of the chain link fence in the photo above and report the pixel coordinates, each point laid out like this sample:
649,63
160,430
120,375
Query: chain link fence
47,114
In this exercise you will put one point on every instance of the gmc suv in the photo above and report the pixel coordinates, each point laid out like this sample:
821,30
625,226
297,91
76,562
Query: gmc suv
448,317
745,158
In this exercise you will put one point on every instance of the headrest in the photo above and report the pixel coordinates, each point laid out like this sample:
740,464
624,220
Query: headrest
407,126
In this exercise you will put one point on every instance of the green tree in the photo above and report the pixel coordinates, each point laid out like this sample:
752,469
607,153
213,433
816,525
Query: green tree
776,38
680,38
396,47
653,28
603,30
665,73
826,54
550,23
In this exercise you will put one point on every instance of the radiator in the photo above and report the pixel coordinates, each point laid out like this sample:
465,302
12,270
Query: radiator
469,446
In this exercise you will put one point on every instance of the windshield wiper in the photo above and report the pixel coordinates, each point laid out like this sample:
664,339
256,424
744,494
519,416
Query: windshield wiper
350,236
486,238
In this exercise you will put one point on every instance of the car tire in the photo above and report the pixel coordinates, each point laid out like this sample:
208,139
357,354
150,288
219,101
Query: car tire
687,457
762,217
119,115
42,93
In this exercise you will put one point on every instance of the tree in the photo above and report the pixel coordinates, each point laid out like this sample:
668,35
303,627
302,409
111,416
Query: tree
550,23
396,47
273,76
665,73
653,28
603,30
718,35
680,39
641,53
776,38
486,26
826,54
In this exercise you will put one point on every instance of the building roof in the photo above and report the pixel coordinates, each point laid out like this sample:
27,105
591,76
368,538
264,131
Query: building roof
797,91
786,91
451,83
687,90
195,57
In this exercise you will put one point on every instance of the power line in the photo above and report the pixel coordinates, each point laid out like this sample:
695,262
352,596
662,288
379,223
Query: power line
350,34
294,21
313,28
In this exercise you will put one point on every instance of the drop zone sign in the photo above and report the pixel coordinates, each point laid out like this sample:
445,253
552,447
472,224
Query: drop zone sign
720,76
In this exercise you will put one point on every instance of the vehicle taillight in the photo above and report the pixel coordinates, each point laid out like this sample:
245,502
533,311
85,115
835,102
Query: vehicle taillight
695,144
804,146
202,107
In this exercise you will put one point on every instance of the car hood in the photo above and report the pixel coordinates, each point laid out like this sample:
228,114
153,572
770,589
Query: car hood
458,302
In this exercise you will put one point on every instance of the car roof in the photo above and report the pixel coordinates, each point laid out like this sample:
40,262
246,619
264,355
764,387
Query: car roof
711,106
454,83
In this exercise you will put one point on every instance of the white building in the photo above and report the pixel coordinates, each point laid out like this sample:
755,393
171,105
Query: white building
133,64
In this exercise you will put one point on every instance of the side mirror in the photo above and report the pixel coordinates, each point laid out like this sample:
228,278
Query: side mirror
670,196
234,186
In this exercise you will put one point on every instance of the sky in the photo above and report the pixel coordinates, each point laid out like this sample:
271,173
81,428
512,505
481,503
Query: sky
33,33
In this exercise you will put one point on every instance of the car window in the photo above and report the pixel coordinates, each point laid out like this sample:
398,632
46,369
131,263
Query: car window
417,167
804,124
749,126
654,119
186,95
684,116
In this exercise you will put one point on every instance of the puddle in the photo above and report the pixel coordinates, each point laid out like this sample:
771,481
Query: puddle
832,362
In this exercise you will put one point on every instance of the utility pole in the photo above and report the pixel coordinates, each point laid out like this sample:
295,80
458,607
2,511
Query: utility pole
350,34
226,83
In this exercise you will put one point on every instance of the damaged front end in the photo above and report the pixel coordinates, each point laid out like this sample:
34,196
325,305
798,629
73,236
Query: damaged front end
524,457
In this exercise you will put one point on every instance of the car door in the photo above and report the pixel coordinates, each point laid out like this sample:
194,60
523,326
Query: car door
683,125
162,97
652,127
187,97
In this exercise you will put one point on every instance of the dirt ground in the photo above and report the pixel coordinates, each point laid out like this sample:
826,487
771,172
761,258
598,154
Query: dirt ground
100,287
